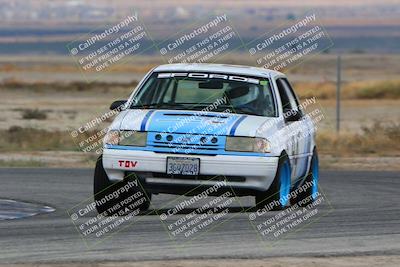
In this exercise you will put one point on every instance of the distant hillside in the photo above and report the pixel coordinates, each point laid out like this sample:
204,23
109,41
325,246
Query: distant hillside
46,27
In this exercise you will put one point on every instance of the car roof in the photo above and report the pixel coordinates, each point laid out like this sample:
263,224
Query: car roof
218,68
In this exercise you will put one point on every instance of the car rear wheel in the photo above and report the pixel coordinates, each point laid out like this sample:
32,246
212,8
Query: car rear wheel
277,196
109,197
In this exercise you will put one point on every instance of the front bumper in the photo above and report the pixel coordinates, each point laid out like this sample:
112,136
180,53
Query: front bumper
259,172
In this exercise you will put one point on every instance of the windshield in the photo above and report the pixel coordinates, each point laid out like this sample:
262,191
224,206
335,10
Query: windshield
196,91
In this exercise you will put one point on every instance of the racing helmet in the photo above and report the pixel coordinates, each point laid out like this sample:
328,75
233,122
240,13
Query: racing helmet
242,95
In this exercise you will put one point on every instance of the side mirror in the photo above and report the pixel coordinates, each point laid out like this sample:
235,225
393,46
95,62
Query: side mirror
117,104
292,115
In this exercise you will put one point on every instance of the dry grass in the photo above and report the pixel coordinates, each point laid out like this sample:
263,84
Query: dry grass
321,90
22,163
29,139
378,140
376,90
352,90
34,114
32,139
77,86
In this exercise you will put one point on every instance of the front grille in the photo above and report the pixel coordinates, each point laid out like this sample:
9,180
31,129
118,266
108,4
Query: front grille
179,143
184,146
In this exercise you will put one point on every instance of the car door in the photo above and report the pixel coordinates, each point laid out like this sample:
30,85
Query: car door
304,140
293,130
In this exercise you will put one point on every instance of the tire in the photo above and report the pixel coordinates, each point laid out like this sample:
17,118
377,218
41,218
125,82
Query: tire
103,187
310,194
274,198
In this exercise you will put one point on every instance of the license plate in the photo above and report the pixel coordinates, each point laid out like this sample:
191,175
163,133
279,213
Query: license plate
183,166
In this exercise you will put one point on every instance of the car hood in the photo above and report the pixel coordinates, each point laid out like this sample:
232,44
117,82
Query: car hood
195,122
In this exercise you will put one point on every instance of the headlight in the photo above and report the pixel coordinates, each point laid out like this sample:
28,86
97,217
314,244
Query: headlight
247,144
132,138
125,138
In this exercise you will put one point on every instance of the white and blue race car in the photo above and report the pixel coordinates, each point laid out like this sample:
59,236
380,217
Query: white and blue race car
187,126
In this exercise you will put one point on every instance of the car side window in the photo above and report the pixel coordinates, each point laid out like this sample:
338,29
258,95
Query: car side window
288,98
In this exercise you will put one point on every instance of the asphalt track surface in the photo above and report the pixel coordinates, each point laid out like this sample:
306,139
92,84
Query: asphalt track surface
360,216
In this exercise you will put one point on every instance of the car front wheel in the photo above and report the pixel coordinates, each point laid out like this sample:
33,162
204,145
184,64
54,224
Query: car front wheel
277,196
